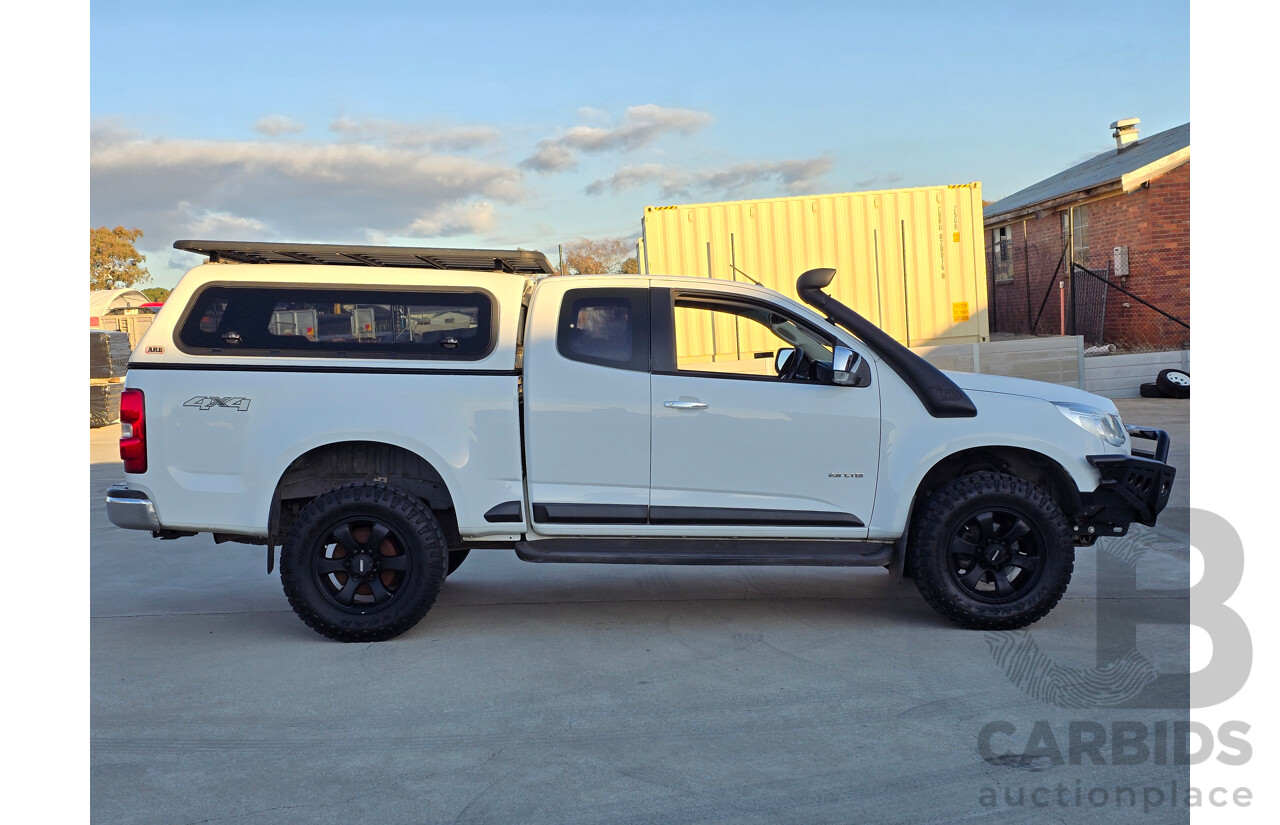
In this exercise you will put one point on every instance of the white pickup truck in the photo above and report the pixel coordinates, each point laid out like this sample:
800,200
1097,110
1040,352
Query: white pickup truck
377,412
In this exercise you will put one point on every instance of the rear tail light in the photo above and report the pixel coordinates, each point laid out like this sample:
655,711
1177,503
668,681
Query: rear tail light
133,431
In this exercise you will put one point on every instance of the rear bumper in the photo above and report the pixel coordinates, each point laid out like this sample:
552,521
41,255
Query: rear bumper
131,509
1131,488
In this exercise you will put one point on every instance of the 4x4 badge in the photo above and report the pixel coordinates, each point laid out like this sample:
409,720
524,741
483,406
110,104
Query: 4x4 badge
206,402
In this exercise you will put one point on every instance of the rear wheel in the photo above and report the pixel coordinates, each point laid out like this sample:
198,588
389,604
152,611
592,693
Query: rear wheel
991,551
363,562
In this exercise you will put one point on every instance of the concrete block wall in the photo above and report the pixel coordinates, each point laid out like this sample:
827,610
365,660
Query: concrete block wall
1054,359
1120,376
1058,360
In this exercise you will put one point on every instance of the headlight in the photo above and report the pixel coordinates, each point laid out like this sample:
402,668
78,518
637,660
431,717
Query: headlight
1104,425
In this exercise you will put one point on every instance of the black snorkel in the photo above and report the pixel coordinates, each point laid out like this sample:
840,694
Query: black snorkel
938,393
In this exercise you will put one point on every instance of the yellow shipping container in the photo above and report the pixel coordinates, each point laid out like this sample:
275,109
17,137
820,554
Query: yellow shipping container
909,260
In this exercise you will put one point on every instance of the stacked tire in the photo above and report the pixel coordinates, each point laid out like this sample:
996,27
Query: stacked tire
109,353
1168,384
104,403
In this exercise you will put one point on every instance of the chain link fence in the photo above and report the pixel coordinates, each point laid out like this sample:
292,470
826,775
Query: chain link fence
1127,300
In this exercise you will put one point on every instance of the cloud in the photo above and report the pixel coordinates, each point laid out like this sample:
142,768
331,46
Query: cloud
221,225
793,176
883,180
462,219
550,157
592,114
104,130
401,135
629,177
274,125
288,190
640,126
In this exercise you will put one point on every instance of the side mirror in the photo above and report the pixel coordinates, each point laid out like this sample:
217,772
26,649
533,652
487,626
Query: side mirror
848,369
780,360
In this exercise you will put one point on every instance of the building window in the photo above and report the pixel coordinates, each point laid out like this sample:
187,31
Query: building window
1002,255
1075,230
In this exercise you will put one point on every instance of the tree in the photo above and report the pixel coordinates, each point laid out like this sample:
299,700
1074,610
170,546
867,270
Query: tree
157,294
113,260
603,256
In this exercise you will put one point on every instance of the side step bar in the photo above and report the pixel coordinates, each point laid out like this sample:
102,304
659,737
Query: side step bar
772,552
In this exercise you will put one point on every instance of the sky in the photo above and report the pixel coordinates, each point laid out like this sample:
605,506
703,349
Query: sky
528,125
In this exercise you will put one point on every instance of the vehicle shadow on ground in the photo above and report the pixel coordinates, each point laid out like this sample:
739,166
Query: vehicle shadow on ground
862,597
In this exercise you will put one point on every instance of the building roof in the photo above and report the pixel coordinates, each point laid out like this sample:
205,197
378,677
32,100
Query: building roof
1114,170
101,300
267,252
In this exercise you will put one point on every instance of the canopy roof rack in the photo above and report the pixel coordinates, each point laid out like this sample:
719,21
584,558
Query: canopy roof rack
516,261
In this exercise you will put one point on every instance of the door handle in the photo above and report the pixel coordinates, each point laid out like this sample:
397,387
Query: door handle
685,405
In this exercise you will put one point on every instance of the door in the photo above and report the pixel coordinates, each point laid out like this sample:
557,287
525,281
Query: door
586,390
739,449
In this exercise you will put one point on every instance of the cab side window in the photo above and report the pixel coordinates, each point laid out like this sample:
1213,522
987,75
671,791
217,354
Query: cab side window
742,340
608,327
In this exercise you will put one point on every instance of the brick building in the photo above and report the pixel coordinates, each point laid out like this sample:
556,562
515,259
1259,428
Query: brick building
1114,231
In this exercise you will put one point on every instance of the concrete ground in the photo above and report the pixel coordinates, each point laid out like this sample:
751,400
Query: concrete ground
619,694
1174,417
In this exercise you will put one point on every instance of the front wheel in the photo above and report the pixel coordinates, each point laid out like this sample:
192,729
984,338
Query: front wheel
991,551
363,562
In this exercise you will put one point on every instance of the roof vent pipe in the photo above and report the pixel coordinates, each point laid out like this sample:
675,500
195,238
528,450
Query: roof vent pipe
1125,131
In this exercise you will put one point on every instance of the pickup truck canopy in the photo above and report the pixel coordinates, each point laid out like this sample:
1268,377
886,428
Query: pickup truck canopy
516,261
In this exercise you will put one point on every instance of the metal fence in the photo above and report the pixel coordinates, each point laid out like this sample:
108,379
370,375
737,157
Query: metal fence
1125,301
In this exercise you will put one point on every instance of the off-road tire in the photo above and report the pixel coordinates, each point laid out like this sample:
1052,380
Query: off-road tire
1174,383
408,588
456,558
952,515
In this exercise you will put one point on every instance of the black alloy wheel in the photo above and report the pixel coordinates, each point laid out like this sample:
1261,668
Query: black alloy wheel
361,563
990,551
995,556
